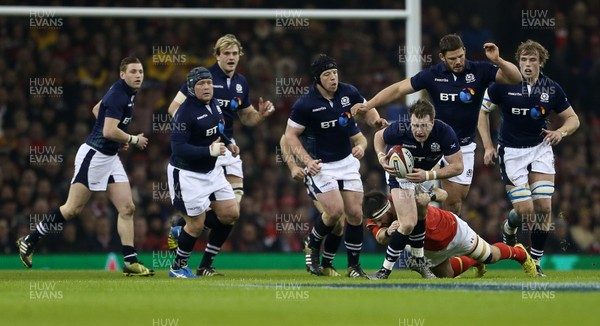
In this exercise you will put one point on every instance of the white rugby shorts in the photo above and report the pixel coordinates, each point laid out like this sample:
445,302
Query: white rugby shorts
515,163
192,192
96,170
231,165
339,175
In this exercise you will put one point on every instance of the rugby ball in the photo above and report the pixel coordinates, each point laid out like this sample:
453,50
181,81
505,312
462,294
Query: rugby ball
401,159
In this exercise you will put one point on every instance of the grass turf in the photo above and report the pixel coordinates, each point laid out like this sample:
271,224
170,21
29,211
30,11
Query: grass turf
276,297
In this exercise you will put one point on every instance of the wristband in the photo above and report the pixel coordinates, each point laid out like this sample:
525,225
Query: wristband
434,175
129,141
426,175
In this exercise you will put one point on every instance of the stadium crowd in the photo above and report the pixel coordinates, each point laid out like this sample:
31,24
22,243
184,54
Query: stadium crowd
50,78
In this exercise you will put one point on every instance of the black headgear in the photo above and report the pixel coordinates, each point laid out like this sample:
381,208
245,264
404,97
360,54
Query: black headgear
322,63
194,76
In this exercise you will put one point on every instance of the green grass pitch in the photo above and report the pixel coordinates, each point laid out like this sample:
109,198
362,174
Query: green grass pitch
274,297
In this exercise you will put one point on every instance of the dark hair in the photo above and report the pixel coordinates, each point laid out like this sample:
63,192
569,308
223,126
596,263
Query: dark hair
126,61
450,42
373,202
422,108
322,62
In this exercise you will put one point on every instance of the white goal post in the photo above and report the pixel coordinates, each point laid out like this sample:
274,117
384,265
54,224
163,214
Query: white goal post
412,16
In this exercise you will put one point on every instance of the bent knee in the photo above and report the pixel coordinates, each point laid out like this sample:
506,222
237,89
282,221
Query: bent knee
127,210
69,212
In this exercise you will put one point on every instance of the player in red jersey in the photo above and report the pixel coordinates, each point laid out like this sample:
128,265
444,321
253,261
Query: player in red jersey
451,245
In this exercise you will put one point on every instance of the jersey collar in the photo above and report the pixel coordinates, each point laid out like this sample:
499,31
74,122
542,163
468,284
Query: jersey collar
130,91
218,72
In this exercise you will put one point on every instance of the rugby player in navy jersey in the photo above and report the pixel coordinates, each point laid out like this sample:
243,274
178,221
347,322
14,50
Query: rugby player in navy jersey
196,182
298,173
428,139
98,168
525,145
333,175
456,87
232,93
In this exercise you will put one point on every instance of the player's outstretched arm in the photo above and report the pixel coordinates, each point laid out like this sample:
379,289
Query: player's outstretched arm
176,103
250,117
375,120
385,96
508,72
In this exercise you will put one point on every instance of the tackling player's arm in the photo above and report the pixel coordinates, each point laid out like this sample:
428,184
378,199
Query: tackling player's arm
385,232
570,124
507,73
360,145
379,145
297,172
176,103
483,126
250,117
96,109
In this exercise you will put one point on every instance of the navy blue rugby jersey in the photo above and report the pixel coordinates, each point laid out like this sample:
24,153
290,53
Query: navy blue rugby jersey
330,122
441,141
117,103
457,97
195,126
232,96
524,110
